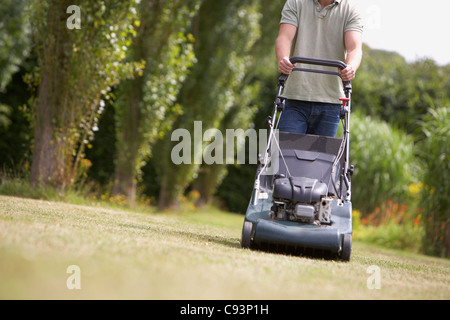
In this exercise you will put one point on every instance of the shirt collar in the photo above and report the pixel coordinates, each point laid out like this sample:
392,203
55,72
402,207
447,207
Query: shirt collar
335,1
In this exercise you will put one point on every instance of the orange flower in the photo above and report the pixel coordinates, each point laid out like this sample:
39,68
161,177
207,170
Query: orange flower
417,221
395,206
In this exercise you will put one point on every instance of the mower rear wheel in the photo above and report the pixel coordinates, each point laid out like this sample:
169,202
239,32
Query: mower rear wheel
246,241
346,247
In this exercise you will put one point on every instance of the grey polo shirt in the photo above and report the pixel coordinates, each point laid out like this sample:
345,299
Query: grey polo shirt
320,34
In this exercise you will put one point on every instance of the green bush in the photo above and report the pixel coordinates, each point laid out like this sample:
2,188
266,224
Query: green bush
394,236
434,153
384,163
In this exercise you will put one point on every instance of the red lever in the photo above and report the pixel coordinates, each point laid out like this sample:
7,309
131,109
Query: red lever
344,101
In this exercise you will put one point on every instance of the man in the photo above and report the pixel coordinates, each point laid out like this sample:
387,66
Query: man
324,29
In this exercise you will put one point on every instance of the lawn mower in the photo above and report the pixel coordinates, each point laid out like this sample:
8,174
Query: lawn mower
301,200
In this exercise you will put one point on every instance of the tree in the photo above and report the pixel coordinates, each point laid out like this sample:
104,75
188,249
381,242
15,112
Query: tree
77,67
226,31
257,91
144,104
14,46
14,38
398,92
238,117
235,189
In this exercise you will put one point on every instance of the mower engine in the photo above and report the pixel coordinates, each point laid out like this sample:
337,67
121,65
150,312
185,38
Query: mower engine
301,199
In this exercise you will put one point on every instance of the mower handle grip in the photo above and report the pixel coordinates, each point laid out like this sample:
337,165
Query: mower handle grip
326,63
319,62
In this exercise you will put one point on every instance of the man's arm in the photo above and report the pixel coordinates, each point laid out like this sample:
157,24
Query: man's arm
283,47
353,44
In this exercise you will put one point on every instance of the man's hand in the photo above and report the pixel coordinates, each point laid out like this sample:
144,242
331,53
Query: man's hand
348,74
285,66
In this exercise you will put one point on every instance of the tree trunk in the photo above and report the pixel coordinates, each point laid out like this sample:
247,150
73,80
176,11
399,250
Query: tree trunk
209,178
169,198
129,140
164,202
125,184
48,161
53,141
447,239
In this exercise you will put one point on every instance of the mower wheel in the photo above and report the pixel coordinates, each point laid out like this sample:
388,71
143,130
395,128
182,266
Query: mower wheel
346,247
247,235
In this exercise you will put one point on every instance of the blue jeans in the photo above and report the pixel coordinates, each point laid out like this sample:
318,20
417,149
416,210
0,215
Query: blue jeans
306,117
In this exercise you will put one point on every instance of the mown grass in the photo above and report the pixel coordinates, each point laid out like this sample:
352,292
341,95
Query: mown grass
184,255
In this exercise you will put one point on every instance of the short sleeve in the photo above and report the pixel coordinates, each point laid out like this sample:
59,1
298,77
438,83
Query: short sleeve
354,21
290,13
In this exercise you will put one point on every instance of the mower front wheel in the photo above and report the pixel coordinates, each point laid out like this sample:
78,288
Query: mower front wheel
246,241
346,247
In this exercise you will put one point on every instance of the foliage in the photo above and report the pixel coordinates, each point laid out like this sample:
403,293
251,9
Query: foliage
399,92
14,39
76,68
15,138
235,188
402,237
391,225
13,185
384,162
226,33
144,105
211,176
102,149
14,47
4,113
434,153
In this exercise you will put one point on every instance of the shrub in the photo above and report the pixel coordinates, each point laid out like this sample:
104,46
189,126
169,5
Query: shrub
384,163
434,153
392,225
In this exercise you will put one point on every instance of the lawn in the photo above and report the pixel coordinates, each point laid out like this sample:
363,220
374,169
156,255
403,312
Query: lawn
184,255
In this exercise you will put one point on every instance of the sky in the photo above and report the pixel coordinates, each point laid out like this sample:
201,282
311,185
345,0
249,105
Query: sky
415,28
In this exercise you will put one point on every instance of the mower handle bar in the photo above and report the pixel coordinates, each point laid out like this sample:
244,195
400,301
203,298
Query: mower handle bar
322,62
319,62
